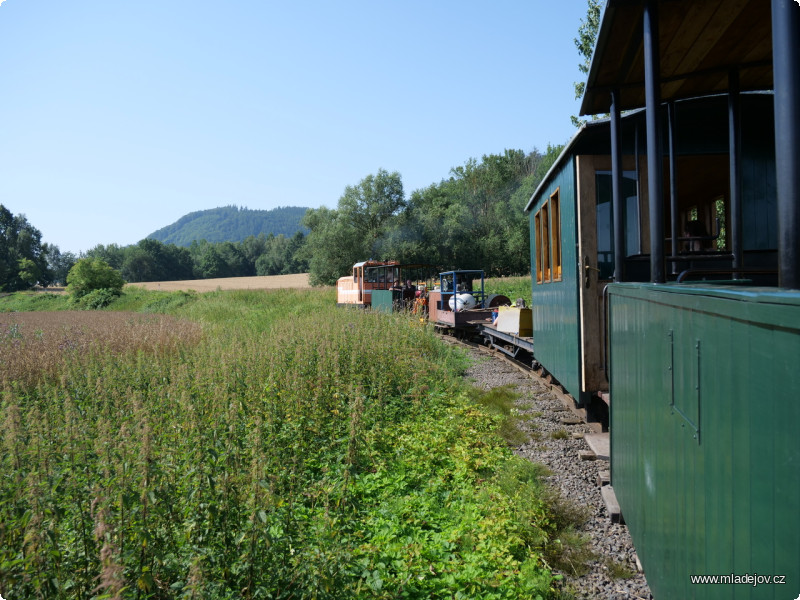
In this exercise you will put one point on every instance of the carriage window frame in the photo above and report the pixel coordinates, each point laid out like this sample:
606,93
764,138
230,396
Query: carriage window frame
537,224
555,234
547,273
547,223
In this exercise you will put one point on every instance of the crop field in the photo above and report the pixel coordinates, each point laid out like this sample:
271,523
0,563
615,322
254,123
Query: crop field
255,444
271,282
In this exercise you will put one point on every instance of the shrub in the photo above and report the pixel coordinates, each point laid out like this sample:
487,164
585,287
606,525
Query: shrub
89,274
98,298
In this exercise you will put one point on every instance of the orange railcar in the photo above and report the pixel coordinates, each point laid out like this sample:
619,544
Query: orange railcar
356,289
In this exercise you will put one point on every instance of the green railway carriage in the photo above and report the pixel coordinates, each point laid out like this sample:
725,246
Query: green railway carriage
703,331
572,229
705,451
554,270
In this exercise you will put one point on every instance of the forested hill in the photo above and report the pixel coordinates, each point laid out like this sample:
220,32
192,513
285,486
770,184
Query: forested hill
231,224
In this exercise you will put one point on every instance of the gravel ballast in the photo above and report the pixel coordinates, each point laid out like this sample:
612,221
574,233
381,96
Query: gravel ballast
575,479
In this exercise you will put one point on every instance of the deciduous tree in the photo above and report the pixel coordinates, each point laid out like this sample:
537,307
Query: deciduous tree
90,274
587,37
23,260
357,230
59,263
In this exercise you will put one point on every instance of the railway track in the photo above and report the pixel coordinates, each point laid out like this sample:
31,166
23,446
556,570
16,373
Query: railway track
559,439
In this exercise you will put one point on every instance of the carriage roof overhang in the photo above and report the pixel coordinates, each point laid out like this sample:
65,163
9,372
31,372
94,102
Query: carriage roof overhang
700,43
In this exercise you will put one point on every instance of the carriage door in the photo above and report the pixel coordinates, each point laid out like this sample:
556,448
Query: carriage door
596,258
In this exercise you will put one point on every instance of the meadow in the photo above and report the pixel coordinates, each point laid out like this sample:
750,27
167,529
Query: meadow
255,444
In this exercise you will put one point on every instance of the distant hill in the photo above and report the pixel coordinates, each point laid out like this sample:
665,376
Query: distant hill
231,224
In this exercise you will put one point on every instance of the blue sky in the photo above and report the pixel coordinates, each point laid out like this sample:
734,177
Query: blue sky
116,119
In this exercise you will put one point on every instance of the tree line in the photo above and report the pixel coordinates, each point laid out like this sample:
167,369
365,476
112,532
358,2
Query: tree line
151,260
471,220
474,219
26,261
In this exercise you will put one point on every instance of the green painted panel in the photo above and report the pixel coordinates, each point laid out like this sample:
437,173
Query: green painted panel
555,304
704,420
383,300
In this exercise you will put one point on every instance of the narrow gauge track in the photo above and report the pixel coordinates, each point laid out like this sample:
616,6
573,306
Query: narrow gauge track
558,439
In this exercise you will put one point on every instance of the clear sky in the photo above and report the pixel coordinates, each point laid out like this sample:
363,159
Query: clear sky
118,118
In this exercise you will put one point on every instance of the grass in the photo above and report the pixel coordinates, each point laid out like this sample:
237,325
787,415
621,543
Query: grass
618,570
567,549
500,401
33,301
257,445
513,287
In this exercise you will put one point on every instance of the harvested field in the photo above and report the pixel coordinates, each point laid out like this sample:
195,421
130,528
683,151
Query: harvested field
272,282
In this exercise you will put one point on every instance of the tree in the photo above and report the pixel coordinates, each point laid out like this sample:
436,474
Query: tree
357,230
23,260
370,206
113,255
91,274
516,231
275,258
236,264
28,271
333,245
252,247
467,220
138,266
296,263
587,37
210,264
151,260
59,263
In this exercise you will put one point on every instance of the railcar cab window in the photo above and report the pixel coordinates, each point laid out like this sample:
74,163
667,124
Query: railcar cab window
548,240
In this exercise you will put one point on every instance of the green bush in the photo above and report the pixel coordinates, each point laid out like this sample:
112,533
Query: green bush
90,274
97,298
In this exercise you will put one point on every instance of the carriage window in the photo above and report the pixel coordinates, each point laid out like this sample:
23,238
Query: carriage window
545,235
555,234
537,225
547,226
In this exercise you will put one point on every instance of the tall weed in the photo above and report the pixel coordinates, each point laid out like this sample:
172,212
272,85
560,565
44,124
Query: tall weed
289,450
